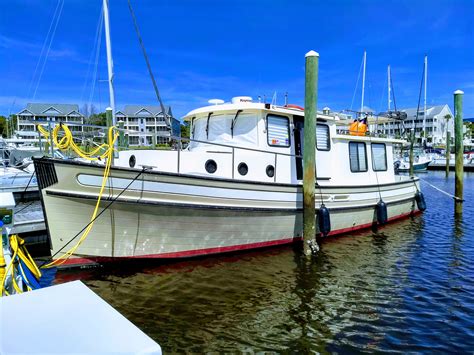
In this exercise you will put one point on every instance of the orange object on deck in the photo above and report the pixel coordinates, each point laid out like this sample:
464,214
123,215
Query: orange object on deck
357,128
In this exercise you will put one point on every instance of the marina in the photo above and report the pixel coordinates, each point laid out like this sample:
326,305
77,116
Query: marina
200,190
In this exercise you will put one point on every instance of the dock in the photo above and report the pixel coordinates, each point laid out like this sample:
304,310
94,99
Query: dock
28,218
68,318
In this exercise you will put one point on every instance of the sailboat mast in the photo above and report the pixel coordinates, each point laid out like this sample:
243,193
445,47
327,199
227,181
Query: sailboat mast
110,63
363,83
389,100
424,108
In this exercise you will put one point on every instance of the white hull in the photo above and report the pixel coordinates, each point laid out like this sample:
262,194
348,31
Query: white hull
167,215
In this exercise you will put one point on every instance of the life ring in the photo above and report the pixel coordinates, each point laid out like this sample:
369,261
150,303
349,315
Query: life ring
294,106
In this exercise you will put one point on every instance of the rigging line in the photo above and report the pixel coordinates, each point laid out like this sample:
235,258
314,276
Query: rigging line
357,83
43,48
382,96
49,48
92,55
148,64
98,215
96,64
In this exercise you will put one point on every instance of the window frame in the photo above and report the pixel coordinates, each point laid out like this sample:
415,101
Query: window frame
385,155
358,162
328,140
289,132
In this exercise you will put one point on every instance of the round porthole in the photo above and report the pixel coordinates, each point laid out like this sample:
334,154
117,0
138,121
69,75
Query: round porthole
270,171
132,161
243,169
211,166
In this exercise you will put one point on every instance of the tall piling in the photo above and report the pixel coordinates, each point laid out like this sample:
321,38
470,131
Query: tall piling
109,119
309,150
121,137
458,151
448,151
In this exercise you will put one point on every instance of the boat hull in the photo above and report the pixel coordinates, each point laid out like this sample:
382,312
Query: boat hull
164,215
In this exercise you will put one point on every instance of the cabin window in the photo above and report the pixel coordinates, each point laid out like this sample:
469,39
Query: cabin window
357,157
379,157
219,128
278,128
245,129
322,137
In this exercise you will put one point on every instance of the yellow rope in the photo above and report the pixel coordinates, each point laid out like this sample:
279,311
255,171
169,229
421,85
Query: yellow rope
107,149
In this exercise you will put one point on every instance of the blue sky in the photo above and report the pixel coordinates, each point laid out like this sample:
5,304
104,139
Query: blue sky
219,49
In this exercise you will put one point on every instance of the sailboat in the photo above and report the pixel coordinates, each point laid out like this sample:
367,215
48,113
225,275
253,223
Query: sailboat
236,186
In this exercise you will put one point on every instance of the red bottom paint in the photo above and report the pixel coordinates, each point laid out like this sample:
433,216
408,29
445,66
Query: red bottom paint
199,252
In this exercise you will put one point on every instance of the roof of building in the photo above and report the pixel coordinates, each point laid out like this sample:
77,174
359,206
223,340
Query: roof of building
38,109
431,111
144,110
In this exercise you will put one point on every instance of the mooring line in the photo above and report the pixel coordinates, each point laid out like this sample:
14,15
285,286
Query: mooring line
442,191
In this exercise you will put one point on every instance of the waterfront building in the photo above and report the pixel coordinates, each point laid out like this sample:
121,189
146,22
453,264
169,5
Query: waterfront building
149,124
67,113
435,120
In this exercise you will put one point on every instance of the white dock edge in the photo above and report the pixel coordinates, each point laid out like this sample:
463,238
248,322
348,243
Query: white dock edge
67,318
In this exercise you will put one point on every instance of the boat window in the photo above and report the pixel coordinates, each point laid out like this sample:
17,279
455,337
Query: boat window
357,157
199,129
322,137
278,128
219,128
245,129
379,157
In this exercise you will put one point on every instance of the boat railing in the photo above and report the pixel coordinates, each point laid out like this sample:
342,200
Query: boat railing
233,149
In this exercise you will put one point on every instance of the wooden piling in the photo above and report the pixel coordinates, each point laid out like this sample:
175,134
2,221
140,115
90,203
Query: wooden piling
121,137
109,120
458,151
309,150
448,151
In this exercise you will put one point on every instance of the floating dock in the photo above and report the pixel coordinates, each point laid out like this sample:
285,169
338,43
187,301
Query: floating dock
68,318
28,218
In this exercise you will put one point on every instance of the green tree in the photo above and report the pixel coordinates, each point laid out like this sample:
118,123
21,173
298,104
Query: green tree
98,119
185,130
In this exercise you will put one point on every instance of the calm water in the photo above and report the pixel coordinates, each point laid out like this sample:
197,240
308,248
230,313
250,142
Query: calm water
408,287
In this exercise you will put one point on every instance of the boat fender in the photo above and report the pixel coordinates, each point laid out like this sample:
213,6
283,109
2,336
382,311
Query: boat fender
420,201
382,216
324,220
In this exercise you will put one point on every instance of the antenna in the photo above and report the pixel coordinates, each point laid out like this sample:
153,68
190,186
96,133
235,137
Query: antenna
286,98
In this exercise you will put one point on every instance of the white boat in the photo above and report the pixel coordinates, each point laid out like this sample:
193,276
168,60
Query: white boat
238,185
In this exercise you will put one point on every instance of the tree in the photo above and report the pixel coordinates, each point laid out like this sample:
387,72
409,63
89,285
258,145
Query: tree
185,127
98,119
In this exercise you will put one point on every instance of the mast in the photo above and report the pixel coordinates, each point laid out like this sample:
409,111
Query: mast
363,83
110,63
389,101
424,108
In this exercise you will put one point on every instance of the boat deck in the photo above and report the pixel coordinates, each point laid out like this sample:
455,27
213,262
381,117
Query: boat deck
28,217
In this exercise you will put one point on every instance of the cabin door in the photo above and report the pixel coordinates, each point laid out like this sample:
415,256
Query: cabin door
298,130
